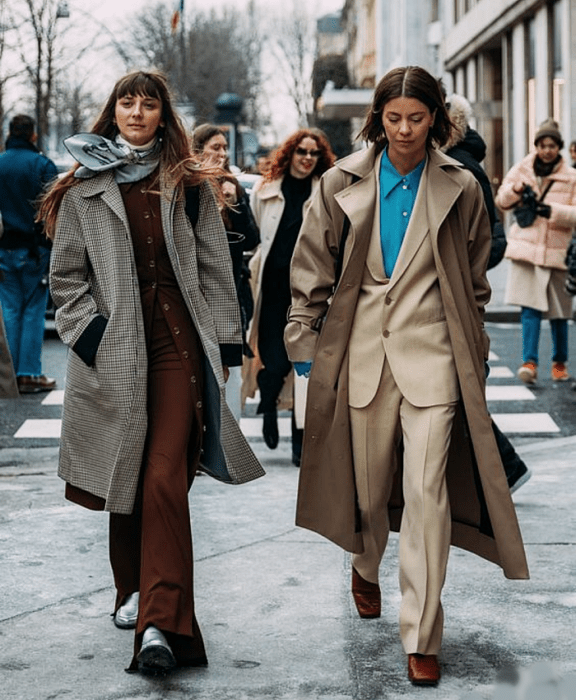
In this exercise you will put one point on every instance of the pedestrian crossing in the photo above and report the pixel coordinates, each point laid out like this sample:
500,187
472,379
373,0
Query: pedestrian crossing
528,422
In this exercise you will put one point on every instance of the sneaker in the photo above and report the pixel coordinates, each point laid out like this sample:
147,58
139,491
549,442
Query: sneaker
528,372
559,372
31,384
518,477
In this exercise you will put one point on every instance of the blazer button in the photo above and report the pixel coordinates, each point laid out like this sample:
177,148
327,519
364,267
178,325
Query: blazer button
386,334
389,300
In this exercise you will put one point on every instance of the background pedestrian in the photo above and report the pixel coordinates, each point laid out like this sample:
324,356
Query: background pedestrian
24,253
146,302
537,244
573,153
468,147
210,146
278,202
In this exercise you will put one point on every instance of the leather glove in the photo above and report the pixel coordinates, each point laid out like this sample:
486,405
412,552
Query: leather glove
543,210
303,369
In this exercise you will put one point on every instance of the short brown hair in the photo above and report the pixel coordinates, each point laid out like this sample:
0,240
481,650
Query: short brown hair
407,81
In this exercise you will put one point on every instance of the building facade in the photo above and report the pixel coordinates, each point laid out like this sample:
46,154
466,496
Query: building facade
515,61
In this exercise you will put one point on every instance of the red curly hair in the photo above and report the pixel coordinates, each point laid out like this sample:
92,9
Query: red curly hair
282,156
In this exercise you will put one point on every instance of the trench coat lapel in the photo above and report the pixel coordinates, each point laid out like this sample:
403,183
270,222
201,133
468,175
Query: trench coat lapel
358,201
442,191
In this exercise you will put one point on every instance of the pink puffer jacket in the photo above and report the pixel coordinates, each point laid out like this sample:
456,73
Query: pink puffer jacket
545,242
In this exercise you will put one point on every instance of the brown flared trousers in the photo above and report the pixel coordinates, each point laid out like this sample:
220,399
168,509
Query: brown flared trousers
151,549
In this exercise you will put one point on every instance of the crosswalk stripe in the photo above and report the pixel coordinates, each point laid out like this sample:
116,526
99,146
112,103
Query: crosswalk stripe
525,422
495,392
54,398
500,372
39,428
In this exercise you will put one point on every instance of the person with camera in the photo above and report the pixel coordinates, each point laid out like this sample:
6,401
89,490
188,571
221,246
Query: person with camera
540,191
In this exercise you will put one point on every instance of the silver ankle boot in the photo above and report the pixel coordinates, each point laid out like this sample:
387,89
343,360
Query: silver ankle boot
155,655
127,614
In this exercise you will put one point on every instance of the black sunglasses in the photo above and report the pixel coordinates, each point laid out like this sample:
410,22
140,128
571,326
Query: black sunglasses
304,152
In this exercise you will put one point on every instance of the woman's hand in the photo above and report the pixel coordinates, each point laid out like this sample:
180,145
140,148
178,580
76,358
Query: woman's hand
229,192
226,371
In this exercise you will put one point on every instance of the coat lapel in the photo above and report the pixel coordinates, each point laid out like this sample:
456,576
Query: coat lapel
436,196
106,187
358,200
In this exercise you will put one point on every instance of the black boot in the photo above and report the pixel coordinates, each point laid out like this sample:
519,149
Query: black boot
297,437
270,429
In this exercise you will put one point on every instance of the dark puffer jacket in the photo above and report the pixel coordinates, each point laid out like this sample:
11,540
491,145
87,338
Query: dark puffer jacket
468,147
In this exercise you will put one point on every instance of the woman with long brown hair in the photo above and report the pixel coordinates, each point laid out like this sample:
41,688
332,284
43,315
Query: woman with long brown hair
210,146
278,202
142,280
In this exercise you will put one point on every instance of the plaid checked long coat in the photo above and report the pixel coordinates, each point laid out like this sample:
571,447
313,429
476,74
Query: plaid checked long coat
93,272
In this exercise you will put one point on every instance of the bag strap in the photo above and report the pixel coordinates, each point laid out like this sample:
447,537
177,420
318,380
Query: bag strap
548,186
343,237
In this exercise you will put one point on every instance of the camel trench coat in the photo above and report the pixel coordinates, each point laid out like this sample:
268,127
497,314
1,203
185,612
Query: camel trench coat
93,274
483,516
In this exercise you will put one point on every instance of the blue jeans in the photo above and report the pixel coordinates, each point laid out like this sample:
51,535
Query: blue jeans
531,320
24,295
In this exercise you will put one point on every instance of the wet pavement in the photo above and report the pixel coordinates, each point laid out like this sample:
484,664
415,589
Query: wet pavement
273,600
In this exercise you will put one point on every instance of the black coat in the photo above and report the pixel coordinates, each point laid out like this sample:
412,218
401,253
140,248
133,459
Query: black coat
471,151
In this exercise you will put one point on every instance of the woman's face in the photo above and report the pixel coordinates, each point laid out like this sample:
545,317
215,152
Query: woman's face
406,122
573,152
138,118
547,149
215,150
304,158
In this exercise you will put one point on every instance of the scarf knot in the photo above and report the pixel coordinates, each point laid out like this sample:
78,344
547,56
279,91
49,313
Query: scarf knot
97,154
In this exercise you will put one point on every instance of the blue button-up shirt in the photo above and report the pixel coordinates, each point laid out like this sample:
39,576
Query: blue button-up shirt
397,197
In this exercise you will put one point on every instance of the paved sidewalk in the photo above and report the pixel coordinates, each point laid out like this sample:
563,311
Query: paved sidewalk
273,600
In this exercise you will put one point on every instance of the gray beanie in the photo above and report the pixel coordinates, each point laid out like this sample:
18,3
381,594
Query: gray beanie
549,128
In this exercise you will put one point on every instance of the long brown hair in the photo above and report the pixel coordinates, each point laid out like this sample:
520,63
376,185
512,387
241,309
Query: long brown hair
175,161
282,156
407,81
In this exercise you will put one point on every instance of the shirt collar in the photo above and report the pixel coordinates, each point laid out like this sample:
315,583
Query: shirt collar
390,177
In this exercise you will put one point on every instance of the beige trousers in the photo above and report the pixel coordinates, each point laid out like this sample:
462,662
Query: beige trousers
425,528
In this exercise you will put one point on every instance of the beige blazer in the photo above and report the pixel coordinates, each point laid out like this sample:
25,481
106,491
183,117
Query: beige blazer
402,319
